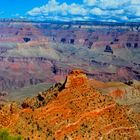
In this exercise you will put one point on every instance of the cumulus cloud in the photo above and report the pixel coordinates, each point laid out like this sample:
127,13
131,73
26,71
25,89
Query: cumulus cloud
90,2
99,10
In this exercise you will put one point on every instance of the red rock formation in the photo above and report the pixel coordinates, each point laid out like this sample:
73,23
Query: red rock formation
76,78
78,112
116,94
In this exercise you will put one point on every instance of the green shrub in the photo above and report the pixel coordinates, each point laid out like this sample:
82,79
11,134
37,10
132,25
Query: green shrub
4,135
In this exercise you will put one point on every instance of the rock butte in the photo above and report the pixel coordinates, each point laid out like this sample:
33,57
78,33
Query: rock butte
76,78
77,112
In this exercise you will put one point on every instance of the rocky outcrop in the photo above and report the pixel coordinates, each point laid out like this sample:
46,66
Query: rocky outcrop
76,78
78,111
43,98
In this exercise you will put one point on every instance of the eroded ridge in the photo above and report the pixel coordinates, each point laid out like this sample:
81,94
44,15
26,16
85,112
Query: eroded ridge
78,112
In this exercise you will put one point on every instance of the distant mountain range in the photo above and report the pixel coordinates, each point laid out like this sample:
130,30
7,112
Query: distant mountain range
101,23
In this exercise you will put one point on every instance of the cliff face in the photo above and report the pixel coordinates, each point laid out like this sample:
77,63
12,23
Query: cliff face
76,110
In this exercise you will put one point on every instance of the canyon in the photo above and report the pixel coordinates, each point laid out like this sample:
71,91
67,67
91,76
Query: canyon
32,53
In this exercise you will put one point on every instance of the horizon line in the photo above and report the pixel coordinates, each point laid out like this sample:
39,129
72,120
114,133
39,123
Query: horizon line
126,23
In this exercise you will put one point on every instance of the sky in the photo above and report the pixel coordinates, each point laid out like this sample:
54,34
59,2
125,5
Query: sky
70,10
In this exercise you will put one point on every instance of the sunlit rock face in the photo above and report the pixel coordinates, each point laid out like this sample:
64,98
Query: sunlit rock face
76,78
73,110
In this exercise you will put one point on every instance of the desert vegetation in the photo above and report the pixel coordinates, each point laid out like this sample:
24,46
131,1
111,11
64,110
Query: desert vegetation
4,135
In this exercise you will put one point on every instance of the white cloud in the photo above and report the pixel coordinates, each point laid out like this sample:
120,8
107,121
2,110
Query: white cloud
135,2
113,4
108,10
90,2
96,11
75,9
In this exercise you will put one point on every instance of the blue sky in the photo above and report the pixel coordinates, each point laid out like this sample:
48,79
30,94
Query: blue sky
67,10
10,8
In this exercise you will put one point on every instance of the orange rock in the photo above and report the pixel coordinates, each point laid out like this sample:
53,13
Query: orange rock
117,94
76,78
79,112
